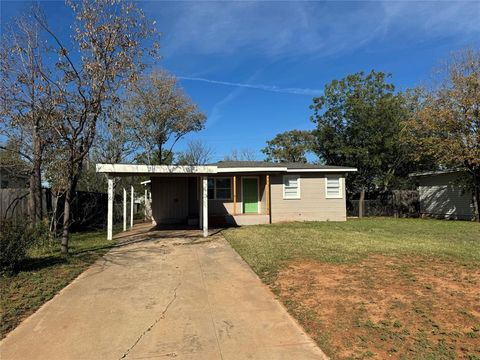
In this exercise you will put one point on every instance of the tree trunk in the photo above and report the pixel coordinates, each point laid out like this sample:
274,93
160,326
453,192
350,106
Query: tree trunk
476,198
66,219
160,154
35,204
69,196
395,205
361,204
53,220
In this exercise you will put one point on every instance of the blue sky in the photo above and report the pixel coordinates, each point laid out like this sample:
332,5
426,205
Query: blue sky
253,67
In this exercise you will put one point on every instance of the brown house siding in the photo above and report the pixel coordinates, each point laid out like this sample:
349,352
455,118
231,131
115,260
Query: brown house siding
312,205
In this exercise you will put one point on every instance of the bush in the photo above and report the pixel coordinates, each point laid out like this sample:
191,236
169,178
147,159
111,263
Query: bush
42,237
15,240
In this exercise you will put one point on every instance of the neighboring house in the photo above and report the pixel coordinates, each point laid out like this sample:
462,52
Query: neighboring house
240,192
442,195
10,178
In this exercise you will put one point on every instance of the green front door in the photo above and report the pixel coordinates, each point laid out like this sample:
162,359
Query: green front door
250,195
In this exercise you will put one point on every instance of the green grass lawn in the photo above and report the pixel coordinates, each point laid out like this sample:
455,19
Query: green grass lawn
266,248
374,288
44,274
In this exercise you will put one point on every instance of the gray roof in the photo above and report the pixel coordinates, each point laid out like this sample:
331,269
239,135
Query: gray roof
267,164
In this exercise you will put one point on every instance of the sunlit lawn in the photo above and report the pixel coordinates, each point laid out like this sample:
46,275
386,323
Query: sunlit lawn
374,288
45,273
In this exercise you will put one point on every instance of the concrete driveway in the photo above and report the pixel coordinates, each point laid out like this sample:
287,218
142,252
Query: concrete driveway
163,295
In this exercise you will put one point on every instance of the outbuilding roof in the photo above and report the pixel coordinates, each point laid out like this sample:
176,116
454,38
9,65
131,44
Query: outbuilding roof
437,172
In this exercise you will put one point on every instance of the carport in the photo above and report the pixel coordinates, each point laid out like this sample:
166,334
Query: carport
237,193
123,170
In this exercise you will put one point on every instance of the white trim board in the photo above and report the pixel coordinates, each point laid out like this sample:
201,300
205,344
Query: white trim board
251,169
155,169
133,169
322,170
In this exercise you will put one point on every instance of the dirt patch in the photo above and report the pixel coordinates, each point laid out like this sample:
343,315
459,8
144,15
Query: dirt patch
387,307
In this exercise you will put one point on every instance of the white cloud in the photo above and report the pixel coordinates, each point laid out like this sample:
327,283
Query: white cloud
272,88
217,110
432,19
276,29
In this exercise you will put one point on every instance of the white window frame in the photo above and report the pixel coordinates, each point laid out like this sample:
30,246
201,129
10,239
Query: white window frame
215,188
296,197
340,187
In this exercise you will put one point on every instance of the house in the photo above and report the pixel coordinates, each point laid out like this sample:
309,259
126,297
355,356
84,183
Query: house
239,192
443,195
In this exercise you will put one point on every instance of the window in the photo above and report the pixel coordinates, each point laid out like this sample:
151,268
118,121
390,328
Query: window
333,187
211,188
291,187
220,188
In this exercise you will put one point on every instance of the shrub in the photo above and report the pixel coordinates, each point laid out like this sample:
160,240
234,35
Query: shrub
15,240
42,237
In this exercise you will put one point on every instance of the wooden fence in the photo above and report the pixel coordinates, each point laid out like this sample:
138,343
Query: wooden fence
88,210
14,203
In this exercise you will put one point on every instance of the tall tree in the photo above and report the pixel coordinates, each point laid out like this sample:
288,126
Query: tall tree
27,100
196,153
289,146
106,52
159,114
358,124
446,125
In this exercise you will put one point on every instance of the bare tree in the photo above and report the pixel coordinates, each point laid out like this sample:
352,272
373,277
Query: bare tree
108,37
196,153
27,101
159,114
241,155
111,146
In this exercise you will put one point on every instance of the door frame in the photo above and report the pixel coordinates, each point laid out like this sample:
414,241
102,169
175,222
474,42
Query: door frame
259,210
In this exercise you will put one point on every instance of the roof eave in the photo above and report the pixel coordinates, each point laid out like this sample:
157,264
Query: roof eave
154,169
124,169
251,169
323,170
437,172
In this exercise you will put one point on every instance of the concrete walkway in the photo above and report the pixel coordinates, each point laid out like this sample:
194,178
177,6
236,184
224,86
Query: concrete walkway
166,294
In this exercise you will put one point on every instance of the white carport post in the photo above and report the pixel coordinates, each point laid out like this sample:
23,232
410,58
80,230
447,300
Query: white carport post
124,209
110,209
200,202
131,205
205,206
145,211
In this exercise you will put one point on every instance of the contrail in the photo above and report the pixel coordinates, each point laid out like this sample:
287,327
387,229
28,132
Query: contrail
296,91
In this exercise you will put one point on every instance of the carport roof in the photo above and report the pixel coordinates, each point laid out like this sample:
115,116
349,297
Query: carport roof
219,167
